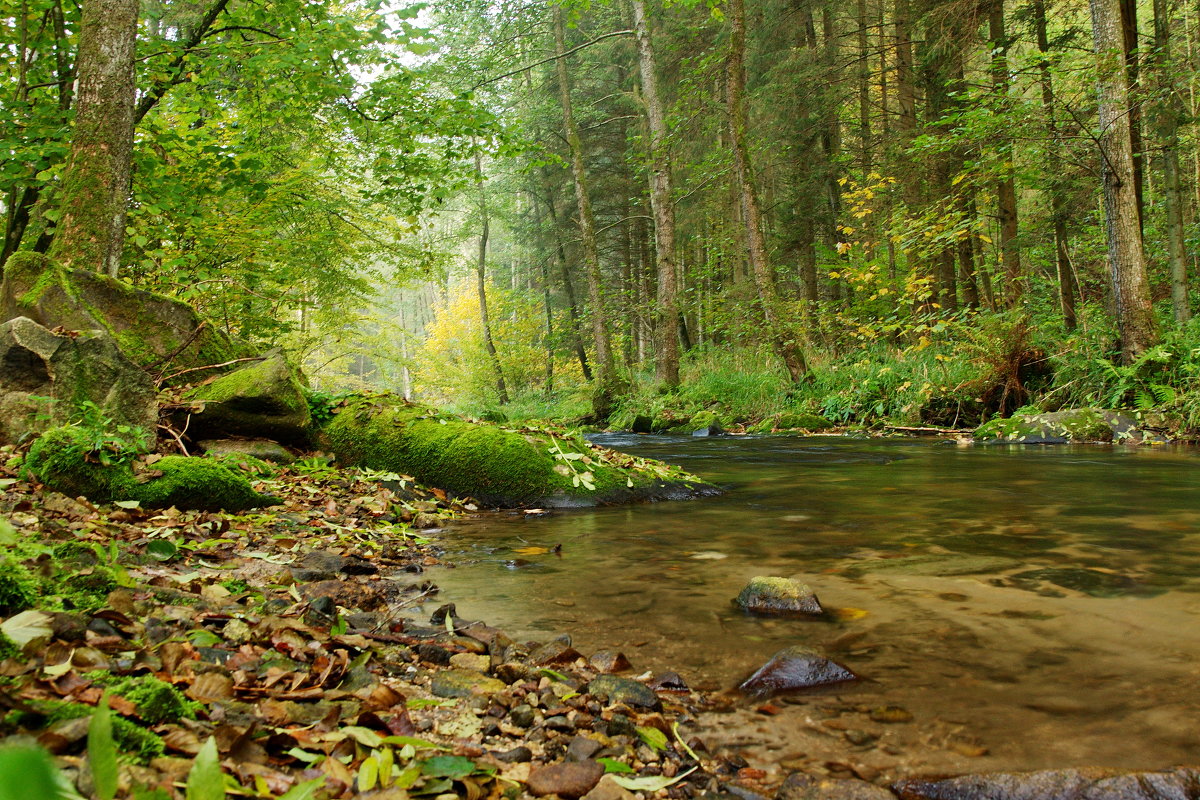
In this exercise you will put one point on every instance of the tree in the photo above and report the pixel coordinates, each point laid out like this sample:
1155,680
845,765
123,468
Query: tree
1122,222
95,192
662,206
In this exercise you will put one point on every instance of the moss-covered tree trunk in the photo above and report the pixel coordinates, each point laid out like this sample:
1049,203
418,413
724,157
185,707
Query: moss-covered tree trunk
95,191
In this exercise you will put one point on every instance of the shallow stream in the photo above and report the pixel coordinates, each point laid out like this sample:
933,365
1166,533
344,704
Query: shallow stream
1028,607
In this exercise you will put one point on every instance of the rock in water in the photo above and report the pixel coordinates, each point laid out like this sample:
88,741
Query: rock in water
464,683
642,424
571,779
1063,784
612,689
263,399
796,667
781,596
46,376
799,786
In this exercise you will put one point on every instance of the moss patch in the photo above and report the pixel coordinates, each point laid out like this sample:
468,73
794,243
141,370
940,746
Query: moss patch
197,483
1071,425
157,701
495,465
18,588
68,460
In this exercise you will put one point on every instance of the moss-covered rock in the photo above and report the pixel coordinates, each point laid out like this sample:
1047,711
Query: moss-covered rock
49,379
66,460
197,483
1060,427
252,452
808,422
157,701
154,331
496,466
778,596
18,588
265,400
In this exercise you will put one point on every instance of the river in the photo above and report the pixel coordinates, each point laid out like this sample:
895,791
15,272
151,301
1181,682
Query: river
1027,607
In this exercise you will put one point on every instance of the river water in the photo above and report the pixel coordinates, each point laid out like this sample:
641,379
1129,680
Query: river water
1028,607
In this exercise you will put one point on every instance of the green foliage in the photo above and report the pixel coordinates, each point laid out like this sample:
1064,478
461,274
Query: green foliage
102,752
78,460
18,587
205,781
28,773
8,648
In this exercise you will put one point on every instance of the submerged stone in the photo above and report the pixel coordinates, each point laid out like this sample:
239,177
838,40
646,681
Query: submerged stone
793,668
1081,579
799,786
779,596
464,683
1064,784
937,565
612,690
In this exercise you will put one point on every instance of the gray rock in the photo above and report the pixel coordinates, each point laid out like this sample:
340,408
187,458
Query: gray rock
46,376
799,786
581,748
1064,784
608,661
793,668
569,779
262,449
517,754
608,789
522,716
779,596
613,689
642,424
464,683
264,399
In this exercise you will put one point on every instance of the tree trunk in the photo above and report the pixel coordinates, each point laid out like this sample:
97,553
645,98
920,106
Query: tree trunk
606,373
560,252
1006,190
1167,113
95,189
1127,265
1129,37
489,343
666,357
1067,288
764,281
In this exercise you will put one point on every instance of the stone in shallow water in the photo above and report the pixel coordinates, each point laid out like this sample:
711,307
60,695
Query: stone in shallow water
571,779
608,661
464,683
793,668
799,786
783,596
1064,784
612,690
938,565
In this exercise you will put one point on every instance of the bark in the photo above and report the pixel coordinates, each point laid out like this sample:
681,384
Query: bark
485,323
564,269
1127,265
95,191
1067,288
760,270
606,373
864,90
1129,37
666,357
1167,113
1006,190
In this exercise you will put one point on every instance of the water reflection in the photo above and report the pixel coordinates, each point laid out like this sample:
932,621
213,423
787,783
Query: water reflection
1007,579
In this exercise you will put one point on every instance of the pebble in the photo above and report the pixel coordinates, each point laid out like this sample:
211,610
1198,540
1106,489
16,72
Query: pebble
569,779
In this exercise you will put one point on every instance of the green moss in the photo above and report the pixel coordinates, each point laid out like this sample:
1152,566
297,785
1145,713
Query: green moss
197,483
808,422
25,266
245,463
493,465
157,701
704,419
8,648
87,590
18,587
143,745
66,460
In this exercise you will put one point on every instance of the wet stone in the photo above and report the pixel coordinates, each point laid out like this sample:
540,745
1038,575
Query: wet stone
609,662
613,690
472,661
558,723
519,753
581,748
570,779
778,596
511,672
433,654
1066,784
558,651
669,682
793,668
799,786
891,714
621,725
464,683
522,716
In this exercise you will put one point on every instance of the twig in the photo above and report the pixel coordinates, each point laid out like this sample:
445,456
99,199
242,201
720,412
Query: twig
167,359
211,366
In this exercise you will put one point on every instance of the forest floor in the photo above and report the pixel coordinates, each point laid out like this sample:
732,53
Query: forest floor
301,640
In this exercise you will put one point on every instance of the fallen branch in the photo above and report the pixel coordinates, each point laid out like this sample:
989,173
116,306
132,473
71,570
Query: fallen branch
209,366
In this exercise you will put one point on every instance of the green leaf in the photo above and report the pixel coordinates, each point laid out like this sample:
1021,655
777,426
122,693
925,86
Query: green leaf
304,791
205,781
653,737
128,504
28,773
102,751
649,783
368,774
611,765
448,767
26,626
415,742
162,549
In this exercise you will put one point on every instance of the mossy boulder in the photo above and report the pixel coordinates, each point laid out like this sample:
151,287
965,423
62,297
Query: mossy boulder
18,587
264,400
779,597
67,460
496,466
49,379
156,332
1060,427
798,419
